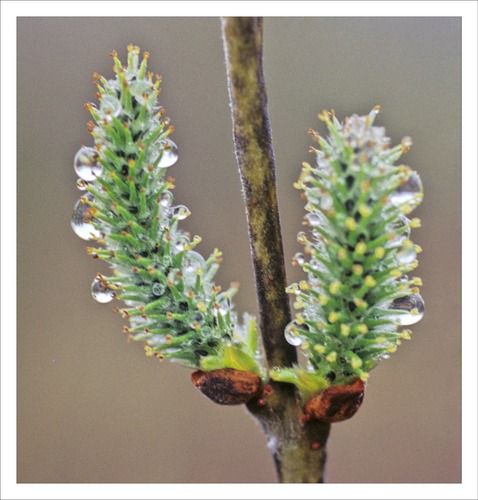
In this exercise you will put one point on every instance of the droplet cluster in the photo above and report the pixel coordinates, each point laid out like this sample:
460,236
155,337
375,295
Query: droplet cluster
127,207
358,254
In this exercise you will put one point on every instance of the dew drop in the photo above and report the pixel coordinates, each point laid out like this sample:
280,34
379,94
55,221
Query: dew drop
299,258
139,88
167,153
410,192
83,221
406,256
158,289
166,199
181,212
192,262
292,335
411,309
86,164
110,107
101,292
314,219
181,242
402,225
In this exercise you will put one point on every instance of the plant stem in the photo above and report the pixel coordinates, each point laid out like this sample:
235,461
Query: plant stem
298,449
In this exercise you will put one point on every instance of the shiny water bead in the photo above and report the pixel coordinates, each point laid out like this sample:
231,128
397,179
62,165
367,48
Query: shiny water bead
181,242
406,256
83,220
86,164
412,309
409,192
110,107
401,226
167,152
299,258
192,263
141,88
101,291
166,199
292,334
158,289
314,219
181,212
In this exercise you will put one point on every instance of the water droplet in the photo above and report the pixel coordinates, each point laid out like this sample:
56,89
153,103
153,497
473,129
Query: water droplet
192,262
412,309
139,88
167,151
292,334
83,221
158,289
181,212
110,107
166,199
406,256
314,219
181,242
402,225
86,164
409,192
299,258
101,291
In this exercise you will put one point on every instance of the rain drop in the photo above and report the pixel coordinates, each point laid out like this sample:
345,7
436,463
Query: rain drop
402,226
166,199
410,309
158,289
181,212
410,192
86,164
406,256
101,291
83,221
110,107
167,153
292,335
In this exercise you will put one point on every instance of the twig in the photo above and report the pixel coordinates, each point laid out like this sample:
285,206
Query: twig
298,449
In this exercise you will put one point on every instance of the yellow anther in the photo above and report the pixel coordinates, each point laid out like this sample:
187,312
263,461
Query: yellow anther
319,348
407,244
364,210
417,281
370,281
418,249
380,340
379,252
391,348
415,223
362,328
350,224
333,317
202,307
334,287
360,303
356,363
357,269
395,273
361,248
406,334
303,285
332,357
364,376
345,330
299,319
323,299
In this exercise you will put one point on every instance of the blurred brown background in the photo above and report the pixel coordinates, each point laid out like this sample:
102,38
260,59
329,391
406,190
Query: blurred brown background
93,408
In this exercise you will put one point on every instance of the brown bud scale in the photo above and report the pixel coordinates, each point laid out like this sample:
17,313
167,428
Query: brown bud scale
335,404
227,386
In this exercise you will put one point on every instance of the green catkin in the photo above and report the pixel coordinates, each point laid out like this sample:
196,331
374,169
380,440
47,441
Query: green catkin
171,302
357,257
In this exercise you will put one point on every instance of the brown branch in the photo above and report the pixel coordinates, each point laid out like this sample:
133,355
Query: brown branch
298,449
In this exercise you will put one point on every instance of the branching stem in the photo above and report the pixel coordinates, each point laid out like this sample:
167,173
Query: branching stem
298,449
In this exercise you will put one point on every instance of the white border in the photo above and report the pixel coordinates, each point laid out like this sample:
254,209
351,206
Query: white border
10,10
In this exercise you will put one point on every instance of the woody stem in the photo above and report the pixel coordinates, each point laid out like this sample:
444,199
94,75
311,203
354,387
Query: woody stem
298,450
